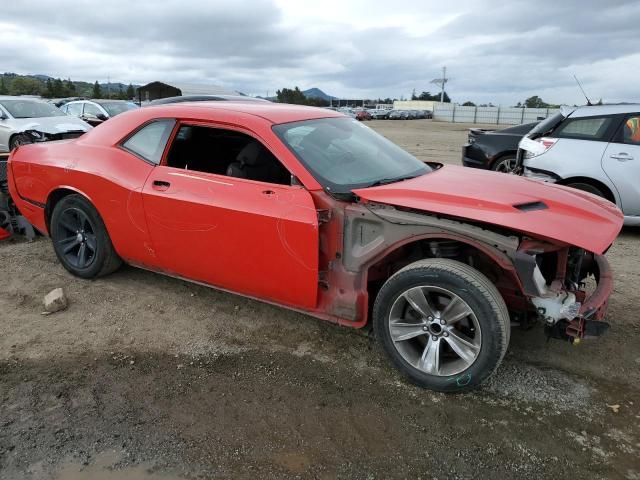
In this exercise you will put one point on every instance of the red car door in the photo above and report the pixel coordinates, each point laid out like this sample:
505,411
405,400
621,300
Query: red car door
250,237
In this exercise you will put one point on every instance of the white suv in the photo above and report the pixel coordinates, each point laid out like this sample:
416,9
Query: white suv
595,149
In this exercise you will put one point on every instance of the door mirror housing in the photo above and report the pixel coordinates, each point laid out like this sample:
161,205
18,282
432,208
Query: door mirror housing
102,116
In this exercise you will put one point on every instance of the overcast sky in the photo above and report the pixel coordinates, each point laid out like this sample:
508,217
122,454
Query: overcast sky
495,50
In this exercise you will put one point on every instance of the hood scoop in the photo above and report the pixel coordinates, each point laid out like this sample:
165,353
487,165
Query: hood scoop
531,206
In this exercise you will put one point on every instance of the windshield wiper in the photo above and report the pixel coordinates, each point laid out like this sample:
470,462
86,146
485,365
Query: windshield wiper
386,181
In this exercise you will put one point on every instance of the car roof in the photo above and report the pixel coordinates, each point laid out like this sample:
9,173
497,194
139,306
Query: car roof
272,112
108,100
205,98
20,97
593,110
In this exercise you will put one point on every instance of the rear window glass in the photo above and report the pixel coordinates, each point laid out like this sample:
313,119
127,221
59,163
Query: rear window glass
592,128
150,140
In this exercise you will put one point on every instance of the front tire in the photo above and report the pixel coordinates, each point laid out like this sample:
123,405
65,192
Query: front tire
80,239
443,324
587,187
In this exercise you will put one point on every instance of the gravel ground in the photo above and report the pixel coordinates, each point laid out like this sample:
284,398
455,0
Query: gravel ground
147,377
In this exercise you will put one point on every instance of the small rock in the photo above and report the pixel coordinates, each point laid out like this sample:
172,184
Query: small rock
55,301
131,362
614,408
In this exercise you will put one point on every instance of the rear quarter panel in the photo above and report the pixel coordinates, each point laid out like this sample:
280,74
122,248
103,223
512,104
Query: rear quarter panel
110,178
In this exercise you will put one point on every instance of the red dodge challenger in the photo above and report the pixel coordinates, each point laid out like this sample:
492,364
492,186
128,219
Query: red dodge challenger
305,208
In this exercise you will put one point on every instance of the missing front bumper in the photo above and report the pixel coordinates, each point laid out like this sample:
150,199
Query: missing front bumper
589,323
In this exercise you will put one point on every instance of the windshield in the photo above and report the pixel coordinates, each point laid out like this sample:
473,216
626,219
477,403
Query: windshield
114,108
342,154
30,109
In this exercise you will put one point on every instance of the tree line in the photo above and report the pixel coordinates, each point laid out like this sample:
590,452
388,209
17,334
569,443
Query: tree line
11,84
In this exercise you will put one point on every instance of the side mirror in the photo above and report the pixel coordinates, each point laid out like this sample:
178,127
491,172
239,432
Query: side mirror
102,116
3,116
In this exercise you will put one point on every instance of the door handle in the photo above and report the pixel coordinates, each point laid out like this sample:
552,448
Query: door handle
160,185
268,192
622,156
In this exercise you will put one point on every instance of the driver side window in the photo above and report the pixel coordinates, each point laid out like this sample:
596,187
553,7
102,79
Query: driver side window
225,152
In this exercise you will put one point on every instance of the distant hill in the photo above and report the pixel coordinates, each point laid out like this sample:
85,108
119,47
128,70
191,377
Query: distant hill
317,93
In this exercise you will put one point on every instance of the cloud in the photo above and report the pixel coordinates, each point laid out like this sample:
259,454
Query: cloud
494,50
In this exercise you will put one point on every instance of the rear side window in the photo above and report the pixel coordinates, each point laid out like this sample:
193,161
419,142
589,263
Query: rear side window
148,143
631,130
590,128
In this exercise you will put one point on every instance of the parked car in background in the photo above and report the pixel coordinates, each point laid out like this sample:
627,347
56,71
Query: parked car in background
206,98
428,114
379,114
595,149
398,115
412,114
349,112
363,115
307,209
28,120
94,112
58,102
494,149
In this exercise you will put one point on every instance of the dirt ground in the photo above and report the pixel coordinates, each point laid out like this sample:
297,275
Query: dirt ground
146,377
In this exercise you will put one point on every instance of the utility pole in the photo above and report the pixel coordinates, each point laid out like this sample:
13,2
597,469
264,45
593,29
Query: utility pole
441,82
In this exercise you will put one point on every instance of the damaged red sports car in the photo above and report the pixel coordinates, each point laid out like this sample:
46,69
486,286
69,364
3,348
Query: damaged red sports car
305,208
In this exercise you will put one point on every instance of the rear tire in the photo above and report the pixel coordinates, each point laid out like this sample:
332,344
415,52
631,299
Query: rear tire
504,164
80,239
587,187
443,324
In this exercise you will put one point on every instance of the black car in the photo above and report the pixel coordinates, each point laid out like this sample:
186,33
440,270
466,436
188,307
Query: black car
206,98
494,149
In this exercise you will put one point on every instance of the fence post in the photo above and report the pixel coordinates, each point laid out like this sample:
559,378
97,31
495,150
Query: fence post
498,116
453,115
475,114
547,112
522,116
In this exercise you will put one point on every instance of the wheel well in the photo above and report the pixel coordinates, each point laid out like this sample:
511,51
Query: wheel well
608,194
381,271
502,155
52,201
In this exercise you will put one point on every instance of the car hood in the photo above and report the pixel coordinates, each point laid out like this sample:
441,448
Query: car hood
545,211
51,125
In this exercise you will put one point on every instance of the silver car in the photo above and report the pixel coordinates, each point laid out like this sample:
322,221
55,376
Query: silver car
595,149
28,120
94,112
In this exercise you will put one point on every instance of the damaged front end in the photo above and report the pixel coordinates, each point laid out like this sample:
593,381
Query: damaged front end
568,287
37,136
